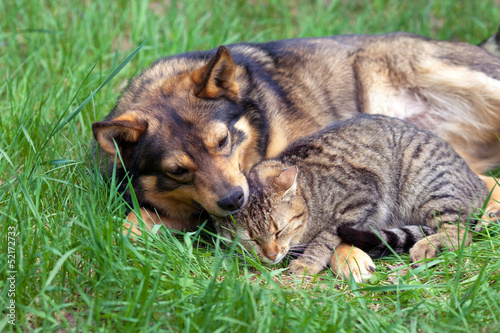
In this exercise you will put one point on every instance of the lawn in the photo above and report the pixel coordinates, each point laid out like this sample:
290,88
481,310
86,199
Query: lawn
63,65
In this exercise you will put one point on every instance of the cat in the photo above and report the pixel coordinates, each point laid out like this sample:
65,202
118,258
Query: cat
367,172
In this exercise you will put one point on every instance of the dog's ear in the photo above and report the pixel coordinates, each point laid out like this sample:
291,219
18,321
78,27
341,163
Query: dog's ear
217,77
125,130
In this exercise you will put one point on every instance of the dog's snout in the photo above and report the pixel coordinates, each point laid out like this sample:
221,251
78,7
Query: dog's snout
233,201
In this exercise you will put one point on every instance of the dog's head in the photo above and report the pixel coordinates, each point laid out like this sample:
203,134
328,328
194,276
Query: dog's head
185,138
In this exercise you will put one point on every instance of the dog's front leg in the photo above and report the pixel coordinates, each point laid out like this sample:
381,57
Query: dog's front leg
492,184
151,219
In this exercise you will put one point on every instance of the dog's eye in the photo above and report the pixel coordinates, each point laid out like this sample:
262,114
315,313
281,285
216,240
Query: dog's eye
179,172
223,142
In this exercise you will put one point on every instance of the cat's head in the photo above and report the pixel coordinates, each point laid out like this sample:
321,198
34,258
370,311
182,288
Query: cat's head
275,216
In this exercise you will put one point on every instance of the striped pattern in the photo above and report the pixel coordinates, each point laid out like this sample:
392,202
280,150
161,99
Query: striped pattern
363,174
387,241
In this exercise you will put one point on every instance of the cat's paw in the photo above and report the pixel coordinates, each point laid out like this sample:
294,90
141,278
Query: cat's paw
423,249
348,259
299,268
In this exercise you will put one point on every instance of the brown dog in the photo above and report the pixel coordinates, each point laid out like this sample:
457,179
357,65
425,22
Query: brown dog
190,126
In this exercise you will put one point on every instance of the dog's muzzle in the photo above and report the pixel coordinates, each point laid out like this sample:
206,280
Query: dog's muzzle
233,201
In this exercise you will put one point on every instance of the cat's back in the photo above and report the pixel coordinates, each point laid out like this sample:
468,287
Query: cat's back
371,138
364,140
377,158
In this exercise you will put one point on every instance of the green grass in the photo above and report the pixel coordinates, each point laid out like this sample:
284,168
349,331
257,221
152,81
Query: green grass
74,270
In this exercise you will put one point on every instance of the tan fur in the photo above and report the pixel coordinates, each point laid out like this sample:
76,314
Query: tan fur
217,132
449,100
150,219
279,141
176,202
295,88
248,153
271,250
349,260
178,159
492,184
179,202
217,77
131,117
127,127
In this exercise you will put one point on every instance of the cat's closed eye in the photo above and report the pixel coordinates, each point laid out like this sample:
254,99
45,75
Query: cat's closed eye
278,234
248,240
252,241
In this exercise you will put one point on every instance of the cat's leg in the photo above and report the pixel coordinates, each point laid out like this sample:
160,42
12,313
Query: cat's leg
348,259
327,248
446,209
449,236
343,259
317,254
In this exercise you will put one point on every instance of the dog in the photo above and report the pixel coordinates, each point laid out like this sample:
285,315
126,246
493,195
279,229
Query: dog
190,127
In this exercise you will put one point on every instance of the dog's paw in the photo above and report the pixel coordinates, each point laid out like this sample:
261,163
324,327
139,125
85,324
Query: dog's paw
152,221
348,259
131,226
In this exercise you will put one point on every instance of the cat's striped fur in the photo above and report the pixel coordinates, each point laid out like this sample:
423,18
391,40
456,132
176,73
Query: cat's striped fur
367,172
376,243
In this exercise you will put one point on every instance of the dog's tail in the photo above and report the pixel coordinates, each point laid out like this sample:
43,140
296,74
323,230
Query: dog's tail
492,44
377,243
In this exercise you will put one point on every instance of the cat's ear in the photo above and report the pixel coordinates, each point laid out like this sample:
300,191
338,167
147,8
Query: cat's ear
287,181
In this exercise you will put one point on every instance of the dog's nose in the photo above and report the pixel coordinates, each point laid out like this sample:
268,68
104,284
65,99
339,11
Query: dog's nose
233,201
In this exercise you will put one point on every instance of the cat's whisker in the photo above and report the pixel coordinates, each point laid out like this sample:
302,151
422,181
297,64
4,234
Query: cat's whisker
306,245
298,248
302,255
334,191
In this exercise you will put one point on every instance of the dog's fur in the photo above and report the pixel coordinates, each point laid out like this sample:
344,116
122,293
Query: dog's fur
492,44
190,126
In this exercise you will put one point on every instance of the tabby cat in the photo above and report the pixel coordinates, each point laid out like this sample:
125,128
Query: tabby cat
363,173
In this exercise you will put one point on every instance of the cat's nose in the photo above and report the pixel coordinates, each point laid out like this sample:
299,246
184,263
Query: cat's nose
233,201
272,256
